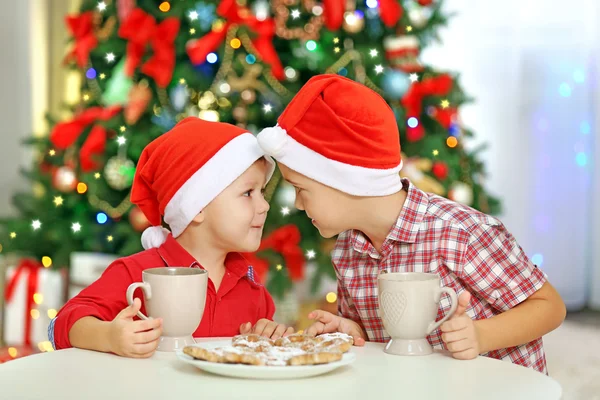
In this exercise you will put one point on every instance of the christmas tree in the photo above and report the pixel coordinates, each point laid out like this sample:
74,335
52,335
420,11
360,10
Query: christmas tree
147,64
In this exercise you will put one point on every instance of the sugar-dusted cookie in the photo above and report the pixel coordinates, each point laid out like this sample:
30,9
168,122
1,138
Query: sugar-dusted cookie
300,341
202,354
334,342
254,342
315,358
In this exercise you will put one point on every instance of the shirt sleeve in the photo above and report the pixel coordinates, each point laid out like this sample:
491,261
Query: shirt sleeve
497,269
103,299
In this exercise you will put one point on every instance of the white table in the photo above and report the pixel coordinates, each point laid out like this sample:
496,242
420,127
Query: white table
80,374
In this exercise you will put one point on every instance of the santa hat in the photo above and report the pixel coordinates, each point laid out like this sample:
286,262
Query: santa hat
341,134
182,171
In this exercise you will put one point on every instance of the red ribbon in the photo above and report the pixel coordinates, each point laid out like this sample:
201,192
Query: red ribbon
390,12
286,241
140,29
445,116
32,267
413,100
82,29
235,14
64,134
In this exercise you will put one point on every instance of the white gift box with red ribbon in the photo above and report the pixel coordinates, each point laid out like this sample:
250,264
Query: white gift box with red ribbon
33,294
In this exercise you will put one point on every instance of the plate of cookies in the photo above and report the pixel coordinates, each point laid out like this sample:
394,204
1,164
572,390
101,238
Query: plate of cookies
257,357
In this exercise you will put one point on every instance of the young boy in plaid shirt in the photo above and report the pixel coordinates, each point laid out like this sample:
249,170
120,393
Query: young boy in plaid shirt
337,143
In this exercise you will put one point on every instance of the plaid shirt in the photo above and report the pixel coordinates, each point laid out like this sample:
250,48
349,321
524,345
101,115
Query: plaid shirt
467,249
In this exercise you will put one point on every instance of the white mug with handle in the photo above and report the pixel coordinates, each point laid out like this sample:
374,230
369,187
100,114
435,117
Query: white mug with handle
408,306
177,295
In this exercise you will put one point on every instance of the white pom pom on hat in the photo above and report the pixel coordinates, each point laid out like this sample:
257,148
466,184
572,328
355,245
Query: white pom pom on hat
273,140
154,236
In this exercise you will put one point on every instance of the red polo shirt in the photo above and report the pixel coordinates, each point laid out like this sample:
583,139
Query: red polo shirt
240,297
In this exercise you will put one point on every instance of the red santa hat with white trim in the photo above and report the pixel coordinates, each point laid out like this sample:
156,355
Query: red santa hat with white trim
341,134
183,170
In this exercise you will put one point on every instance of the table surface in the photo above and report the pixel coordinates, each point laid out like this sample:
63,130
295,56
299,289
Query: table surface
81,374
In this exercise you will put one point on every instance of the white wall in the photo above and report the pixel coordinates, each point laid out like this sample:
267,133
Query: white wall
513,57
15,97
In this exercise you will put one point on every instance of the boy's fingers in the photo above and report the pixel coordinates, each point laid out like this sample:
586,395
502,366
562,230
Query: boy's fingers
459,346
465,355
146,348
279,331
454,324
131,310
321,316
245,328
315,329
359,341
147,324
259,327
289,331
147,337
454,336
463,303
269,329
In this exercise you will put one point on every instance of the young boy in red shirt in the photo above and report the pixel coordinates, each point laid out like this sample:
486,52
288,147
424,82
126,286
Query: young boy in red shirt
206,179
337,143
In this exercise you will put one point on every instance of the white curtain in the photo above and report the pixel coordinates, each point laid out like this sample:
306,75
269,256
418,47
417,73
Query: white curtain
533,70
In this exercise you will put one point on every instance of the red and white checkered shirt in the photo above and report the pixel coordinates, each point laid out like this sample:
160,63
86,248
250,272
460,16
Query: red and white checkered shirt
467,249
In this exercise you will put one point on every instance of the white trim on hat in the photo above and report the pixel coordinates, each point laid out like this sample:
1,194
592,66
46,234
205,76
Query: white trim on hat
231,161
351,179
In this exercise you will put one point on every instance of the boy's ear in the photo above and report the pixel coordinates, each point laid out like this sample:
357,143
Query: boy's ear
199,218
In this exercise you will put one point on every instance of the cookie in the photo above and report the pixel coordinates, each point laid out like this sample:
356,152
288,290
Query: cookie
279,356
336,335
256,343
315,358
336,342
202,354
300,341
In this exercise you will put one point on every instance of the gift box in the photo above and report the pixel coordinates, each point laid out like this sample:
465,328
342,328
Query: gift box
85,269
32,297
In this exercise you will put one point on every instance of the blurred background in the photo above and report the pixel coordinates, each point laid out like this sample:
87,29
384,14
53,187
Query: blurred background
496,105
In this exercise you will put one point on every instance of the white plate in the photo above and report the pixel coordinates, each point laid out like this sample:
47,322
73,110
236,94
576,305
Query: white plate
260,372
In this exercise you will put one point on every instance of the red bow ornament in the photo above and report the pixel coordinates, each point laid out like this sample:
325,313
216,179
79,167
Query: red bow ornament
66,133
445,116
390,12
140,29
82,30
237,15
413,101
286,241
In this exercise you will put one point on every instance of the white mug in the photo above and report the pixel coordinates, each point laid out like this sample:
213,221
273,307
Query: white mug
408,305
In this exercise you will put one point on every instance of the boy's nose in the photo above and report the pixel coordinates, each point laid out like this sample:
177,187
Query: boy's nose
298,204
263,206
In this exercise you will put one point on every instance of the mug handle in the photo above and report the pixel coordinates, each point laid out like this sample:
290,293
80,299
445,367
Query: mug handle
147,293
453,304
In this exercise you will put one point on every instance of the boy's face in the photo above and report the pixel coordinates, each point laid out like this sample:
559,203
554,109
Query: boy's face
323,205
235,218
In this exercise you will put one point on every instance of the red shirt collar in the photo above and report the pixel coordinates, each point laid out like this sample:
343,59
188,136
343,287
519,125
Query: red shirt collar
175,255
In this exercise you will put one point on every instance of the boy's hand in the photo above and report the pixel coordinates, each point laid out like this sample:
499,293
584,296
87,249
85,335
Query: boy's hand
129,338
459,332
267,328
326,322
